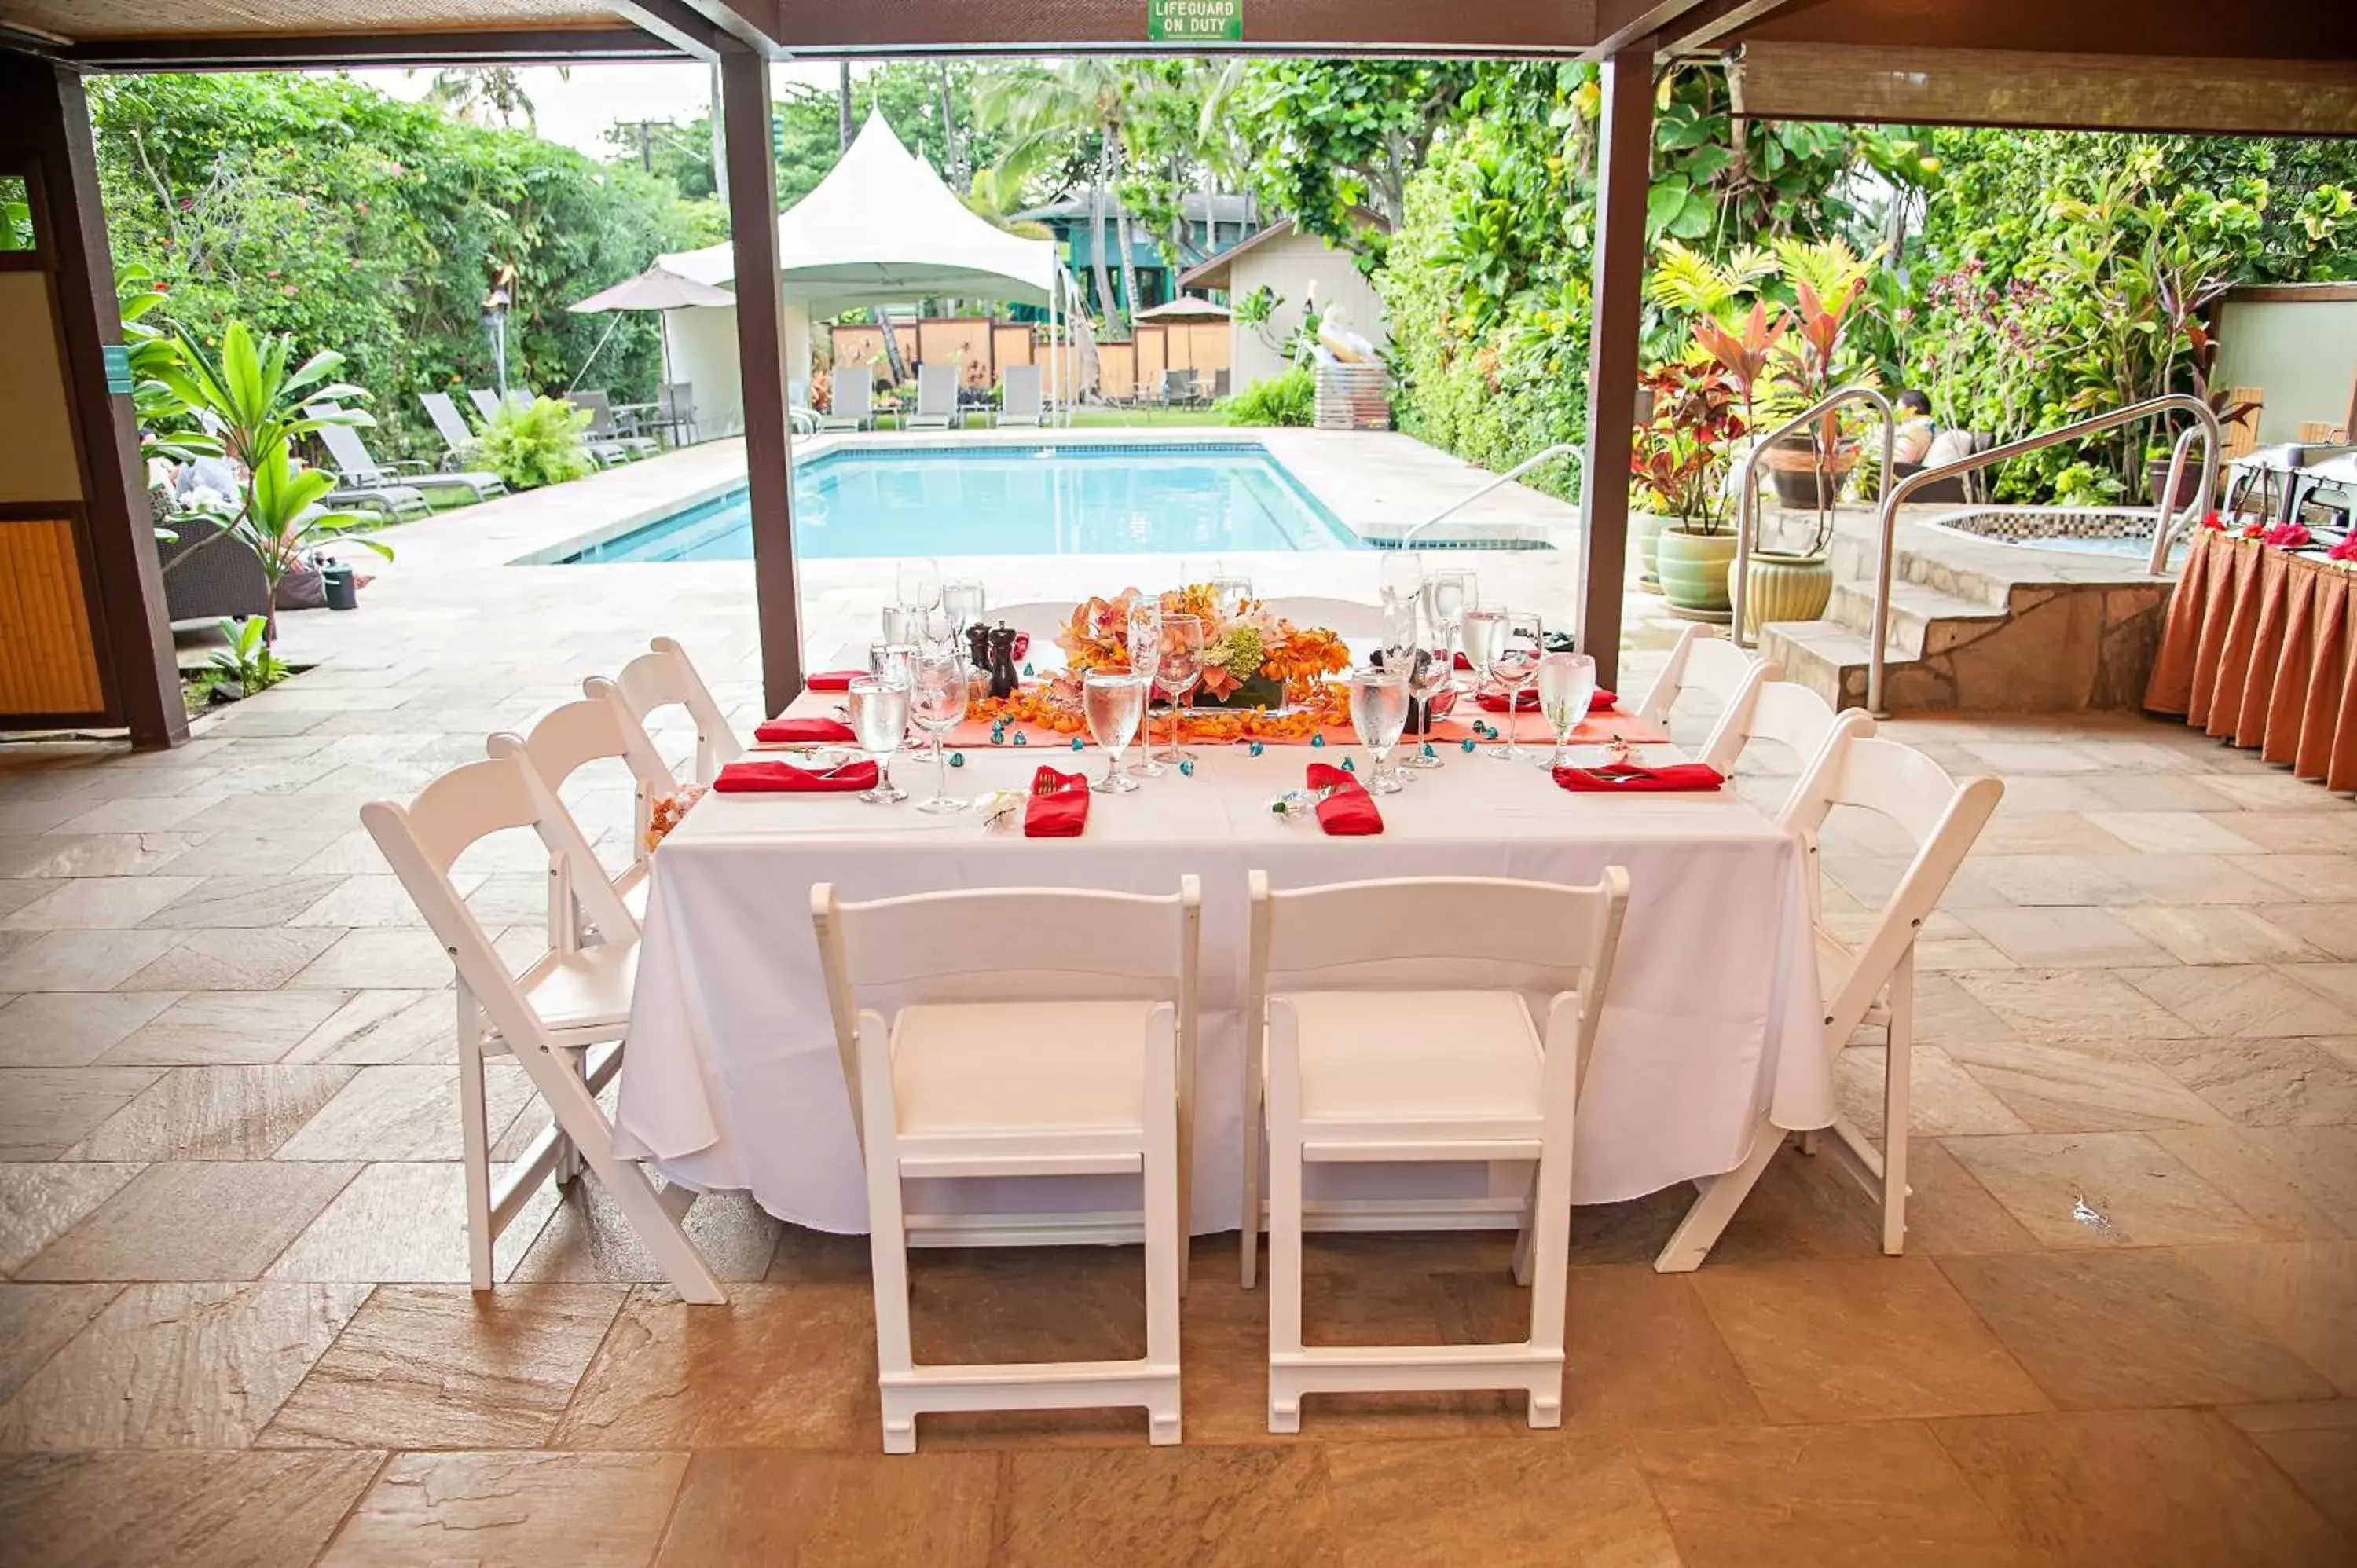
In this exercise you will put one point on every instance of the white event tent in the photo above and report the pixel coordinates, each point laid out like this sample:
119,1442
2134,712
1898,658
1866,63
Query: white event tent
880,227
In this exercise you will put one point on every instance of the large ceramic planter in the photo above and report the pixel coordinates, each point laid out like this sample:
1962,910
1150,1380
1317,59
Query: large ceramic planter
2189,481
1783,587
1694,572
1805,481
1645,536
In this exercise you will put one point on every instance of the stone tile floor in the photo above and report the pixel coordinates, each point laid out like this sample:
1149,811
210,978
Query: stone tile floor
234,1325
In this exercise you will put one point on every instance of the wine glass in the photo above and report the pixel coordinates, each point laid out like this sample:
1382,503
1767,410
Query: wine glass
1114,702
918,581
963,602
904,623
1567,688
1447,595
936,701
1145,641
1400,576
1432,682
1512,663
880,718
1180,667
1485,632
1231,590
892,660
1379,712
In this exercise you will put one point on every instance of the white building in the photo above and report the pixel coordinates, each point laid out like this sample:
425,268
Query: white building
1305,275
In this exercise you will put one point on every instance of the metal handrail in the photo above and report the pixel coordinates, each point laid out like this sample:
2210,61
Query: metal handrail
1895,495
2164,519
1746,486
1559,449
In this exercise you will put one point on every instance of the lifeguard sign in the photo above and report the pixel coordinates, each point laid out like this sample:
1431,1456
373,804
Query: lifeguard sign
1194,21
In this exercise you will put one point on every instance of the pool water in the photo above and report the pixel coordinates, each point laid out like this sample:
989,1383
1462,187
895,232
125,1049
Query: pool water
1012,501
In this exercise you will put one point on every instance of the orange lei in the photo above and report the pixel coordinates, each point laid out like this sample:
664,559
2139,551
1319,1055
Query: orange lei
1316,705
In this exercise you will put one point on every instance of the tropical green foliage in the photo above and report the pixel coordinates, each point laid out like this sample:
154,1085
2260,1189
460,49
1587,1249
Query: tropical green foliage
538,443
248,662
1289,398
319,208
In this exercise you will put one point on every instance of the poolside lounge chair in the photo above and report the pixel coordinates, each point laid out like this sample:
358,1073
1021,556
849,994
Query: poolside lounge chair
936,398
607,441
851,399
357,471
1019,397
487,401
450,424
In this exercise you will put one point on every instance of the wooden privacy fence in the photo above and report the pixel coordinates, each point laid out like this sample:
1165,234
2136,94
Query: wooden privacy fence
983,348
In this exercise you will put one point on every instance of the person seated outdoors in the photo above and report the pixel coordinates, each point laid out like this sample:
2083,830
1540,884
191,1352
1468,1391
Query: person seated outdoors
1916,430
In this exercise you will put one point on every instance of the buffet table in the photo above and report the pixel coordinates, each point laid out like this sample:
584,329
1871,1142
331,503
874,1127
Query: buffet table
732,1080
2257,649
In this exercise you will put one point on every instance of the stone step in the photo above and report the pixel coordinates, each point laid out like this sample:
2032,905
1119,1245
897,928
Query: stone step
1827,657
1923,619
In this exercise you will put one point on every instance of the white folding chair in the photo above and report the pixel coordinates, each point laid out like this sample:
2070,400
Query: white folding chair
595,728
663,677
1800,721
1039,1032
1869,985
548,1016
1704,662
1392,1021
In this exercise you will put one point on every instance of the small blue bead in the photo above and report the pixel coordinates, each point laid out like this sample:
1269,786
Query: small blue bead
1020,740
1256,748
1316,740
1078,743
1186,770
1428,748
1467,743
957,760
1027,670
1349,765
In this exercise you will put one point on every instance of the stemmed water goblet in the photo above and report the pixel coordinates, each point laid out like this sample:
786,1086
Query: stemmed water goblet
1432,682
963,601
892,660
1113,701
1145,642
1567,690
936,701
904,624
1379,712
880,719
1449,592
1175,675
1512,663
916,582
1401,577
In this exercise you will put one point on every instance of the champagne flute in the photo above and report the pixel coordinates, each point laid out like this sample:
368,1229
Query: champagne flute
1379,712
1567,690
918,582
936,701
1432,682
880,718
1180,667
1485,632
1447,595
963,601
1114,702
1145,643
1512,663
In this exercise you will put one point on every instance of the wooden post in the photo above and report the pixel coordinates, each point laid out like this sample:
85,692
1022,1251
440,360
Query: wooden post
44,133
760,353
1624,162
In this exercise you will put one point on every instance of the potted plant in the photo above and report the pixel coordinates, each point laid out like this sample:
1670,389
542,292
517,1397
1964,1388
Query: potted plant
1679,465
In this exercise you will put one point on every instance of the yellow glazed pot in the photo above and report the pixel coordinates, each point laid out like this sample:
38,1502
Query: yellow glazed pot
1783,587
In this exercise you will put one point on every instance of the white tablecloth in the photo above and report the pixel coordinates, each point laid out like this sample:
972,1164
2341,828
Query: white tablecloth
732,1080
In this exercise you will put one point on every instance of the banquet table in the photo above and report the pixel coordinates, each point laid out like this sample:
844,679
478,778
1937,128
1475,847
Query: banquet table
733,1082
2260,649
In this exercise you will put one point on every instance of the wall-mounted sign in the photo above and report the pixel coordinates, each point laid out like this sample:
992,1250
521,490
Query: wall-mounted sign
118,369
1195,21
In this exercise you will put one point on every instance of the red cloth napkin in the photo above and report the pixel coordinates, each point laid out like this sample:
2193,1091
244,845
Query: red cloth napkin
1495,702
1624,778
804,732
756,778
1059,806
1348,810
832,679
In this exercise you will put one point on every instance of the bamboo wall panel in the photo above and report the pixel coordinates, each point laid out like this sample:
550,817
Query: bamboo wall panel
962,338
1151,359
1010,344
48,664
1117,370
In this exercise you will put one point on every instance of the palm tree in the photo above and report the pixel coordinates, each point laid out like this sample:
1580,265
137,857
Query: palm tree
1043,112
480,93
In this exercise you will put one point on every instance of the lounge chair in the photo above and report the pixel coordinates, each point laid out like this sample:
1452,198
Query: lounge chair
936,398
1178,389
356,470
487,401
607,441
850,398
450,424
1019,397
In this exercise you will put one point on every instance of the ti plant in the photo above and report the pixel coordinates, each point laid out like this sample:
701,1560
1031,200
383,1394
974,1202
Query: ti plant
252,398
248,661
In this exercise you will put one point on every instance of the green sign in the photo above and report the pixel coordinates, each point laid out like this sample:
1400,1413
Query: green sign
118,368
1195,21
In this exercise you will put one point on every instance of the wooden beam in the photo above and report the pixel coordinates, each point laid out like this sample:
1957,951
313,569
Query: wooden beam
2250,29
2057,91
674,22
1624,170
1378,27
297,51
761,359
755,24
1702,33
1619,24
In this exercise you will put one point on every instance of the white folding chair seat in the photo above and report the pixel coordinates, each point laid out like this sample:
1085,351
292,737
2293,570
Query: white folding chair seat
1391,1021
1704,661
1862,984
564,1001
664,677
1041,1033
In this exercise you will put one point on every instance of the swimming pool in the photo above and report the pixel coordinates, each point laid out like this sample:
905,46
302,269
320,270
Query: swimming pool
1059,499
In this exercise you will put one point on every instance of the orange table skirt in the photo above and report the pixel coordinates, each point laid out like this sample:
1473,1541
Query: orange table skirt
2258,649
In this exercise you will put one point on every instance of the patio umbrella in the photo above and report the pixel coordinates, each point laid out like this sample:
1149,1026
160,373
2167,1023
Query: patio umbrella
1186,307
657,289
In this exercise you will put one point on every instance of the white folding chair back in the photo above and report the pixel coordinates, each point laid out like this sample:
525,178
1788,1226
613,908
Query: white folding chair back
1018,396
1033,1032
1797,719
596,727
1394,1020
936,397
1704,662
663,677
1347,619
1041,618
1871,983
547,1016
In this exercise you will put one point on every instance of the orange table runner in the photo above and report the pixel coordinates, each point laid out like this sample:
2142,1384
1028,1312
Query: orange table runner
2257,649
